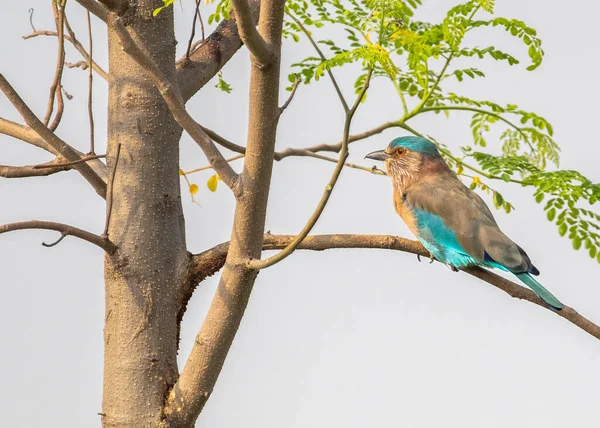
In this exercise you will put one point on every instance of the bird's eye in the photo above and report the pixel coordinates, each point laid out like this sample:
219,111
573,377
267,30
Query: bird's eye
399,151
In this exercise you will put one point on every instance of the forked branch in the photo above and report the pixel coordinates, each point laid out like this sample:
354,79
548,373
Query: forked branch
262,264
175,103
259,49
66,151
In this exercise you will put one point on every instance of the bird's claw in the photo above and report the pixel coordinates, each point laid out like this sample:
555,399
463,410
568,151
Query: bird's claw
453,269
431,258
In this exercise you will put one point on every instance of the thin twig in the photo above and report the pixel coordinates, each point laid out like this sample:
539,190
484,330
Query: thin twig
59,14
323,58
270,261
76,44
109,195
52,244
201,24
193,32
90,83
204,168
64,229
31,10
60,108
65,164
291,97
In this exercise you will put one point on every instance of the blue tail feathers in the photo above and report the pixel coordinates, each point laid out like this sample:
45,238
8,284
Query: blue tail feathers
539,289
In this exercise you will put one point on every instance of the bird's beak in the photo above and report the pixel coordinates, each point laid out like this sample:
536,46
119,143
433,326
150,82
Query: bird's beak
379,155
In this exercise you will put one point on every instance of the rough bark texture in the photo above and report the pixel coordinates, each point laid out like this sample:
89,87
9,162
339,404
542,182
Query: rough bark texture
227,309
143,278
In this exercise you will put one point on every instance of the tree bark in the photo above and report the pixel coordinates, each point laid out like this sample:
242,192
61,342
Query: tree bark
216,335
143,278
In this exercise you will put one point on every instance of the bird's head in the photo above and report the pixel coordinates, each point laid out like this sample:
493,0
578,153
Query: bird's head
404,157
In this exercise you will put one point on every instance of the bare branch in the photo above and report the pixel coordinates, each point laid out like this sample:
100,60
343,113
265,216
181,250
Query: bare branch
59,19
338,146
290,151
199,375
91,83
52,139
31,11
109,196
175,103
259,49
65,164
26,134
76,44
211,55
193,32
64,229
55,243
270,261
291,97
204,168
322,56
60,109
223,141
211,261
42,170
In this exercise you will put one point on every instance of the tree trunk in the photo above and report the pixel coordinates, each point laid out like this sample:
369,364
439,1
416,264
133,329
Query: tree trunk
143,279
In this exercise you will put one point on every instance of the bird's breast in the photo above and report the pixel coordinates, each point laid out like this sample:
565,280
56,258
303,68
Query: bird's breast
405,211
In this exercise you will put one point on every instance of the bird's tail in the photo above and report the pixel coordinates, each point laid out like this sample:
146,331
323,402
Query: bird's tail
540,290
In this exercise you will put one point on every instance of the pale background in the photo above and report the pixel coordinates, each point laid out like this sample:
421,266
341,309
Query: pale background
343,338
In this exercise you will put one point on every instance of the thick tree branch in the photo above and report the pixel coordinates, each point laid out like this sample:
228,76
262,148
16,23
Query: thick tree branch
64,229
101,12
213,341
52,139
26,134
175,103
117,6
212,54
259,49
211,261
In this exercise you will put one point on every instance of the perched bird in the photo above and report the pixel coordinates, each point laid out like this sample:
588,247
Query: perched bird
452,222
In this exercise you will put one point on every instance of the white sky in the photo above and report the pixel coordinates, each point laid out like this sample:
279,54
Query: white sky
341,338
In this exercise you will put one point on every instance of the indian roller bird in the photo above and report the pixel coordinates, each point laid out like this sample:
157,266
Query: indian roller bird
452,222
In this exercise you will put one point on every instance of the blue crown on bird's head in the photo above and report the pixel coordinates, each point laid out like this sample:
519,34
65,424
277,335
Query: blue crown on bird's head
414,144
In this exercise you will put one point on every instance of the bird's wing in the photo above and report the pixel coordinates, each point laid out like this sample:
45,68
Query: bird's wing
466,214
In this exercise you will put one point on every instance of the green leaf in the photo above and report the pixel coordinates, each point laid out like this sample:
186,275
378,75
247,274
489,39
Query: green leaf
498,199
576,243
222,84
551,214
562,229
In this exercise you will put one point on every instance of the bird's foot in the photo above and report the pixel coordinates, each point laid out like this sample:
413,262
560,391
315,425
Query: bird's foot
453,269
431,258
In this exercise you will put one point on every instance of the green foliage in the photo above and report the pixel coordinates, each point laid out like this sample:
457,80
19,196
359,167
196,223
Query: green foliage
417,58
167,3
222,84
222,11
